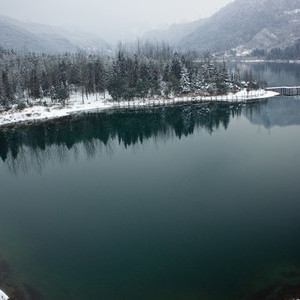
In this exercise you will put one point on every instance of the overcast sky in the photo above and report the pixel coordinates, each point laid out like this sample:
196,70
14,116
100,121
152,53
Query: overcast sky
110,15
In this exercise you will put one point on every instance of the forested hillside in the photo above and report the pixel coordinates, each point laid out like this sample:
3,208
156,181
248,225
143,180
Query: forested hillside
239,28
290,52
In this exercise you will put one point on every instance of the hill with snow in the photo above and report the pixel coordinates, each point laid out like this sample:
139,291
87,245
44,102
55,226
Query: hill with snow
241,27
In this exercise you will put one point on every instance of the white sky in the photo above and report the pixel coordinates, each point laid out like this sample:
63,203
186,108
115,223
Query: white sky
110,15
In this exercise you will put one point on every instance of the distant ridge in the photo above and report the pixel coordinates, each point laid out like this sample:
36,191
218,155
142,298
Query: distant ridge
174,33
35,37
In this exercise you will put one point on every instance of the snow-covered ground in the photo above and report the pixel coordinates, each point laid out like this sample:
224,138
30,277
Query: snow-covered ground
42,112
292,12
289,61
3,296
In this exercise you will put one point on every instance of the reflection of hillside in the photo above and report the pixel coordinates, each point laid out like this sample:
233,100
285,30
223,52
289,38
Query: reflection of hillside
281,111
35,145
275,74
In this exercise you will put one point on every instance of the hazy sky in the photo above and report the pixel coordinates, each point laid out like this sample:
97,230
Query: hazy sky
110,15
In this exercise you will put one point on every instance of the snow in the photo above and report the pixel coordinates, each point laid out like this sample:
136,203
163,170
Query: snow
283,87
291,61
3,296
241,51
292,12
41,112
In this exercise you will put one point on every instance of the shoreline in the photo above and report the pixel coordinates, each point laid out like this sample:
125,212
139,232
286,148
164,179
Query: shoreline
259,60
12,287
41,113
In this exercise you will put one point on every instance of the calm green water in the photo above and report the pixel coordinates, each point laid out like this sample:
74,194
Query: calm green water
185,202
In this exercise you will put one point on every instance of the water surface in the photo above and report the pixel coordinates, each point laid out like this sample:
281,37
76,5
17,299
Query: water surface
185,202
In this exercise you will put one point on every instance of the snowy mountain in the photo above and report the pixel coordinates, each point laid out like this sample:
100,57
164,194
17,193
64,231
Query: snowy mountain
241,26
34,37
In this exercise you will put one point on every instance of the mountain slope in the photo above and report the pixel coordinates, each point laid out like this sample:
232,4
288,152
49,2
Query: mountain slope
34,37
13,36
242,25
248,24
174,33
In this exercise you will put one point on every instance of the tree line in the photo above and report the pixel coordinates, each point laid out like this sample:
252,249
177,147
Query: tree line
290,52
142,71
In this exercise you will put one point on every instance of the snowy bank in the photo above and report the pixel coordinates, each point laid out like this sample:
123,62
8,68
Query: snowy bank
3,296
42,112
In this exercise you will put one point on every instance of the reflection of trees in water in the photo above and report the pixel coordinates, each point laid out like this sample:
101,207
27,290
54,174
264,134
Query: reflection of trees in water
253,110
36,146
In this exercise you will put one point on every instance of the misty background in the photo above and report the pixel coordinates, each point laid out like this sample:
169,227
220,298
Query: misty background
111,20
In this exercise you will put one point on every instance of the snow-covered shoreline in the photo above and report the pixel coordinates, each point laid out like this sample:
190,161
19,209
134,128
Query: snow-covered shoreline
41,112
254,60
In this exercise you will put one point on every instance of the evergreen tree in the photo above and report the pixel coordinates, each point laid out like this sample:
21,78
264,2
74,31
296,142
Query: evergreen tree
185,83
176,67
6,94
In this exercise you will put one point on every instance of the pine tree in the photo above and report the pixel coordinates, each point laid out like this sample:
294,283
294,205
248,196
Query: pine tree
185,82
7,93
34,84
99,76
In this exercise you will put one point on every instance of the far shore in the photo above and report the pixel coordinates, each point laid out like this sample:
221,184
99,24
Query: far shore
244,59
259,60
41,112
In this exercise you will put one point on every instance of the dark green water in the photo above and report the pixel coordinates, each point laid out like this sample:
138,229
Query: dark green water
185,202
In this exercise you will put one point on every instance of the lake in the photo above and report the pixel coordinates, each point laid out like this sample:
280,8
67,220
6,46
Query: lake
183,202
